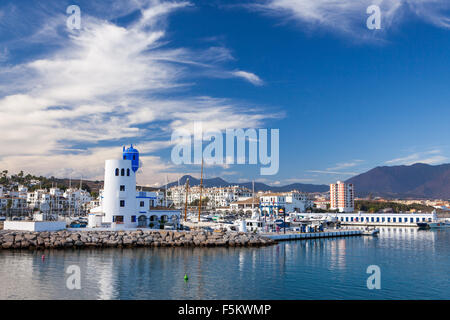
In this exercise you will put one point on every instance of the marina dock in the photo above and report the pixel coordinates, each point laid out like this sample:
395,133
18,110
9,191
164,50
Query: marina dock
311,235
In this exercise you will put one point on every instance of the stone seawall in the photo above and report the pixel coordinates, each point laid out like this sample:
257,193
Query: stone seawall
136,238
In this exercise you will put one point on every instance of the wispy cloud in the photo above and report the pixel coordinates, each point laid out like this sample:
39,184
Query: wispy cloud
344,165
429,157
250,77
337,169
349,16
332,172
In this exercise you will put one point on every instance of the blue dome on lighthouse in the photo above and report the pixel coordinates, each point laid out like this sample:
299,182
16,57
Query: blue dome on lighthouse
133,155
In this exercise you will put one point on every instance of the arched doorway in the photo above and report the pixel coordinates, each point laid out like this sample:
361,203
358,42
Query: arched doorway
153,222
142,221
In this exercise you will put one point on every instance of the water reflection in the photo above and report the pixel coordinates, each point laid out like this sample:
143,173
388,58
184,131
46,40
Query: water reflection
312,269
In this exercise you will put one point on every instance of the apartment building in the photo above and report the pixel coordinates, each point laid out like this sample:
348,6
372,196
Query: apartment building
342,197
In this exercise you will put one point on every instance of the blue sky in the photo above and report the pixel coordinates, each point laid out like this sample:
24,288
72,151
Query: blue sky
345,98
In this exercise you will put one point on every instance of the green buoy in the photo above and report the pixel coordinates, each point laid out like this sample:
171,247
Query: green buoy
186,277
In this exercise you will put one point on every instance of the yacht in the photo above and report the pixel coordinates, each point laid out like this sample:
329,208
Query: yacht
439,224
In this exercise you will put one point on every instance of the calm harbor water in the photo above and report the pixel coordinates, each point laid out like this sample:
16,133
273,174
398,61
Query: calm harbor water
414,265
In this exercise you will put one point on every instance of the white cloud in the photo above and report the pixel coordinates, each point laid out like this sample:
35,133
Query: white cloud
250,77
105,85
427,157
349,16
333,172
344,165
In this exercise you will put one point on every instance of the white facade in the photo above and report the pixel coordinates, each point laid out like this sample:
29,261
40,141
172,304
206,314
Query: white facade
77,198
14,202
378,219
119,193
342,197
217,196
271,202
298,202
386,219
35,226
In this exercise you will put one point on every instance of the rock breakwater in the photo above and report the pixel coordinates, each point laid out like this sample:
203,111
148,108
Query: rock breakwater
136,238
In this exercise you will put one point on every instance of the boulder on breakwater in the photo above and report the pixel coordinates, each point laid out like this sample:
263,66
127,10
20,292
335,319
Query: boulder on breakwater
131,238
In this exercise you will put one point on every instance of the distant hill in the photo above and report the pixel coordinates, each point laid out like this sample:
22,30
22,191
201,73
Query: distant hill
415,181
219,182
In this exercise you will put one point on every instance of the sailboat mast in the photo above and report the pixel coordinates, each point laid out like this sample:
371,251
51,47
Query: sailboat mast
165,194
69,195
79,199
201,190
253,194
185,203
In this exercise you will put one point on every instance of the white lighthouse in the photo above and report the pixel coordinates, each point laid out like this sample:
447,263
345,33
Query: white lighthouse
122,207
119,195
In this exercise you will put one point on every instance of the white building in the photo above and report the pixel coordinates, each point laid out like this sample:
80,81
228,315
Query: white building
76,198
293,201
270,203
13,203
342,197
56,192
378,219
1,190
39,199
298,202
122,206
22,190
216,196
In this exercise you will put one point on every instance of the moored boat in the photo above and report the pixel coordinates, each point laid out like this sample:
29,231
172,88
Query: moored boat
439,224
423,225
370,232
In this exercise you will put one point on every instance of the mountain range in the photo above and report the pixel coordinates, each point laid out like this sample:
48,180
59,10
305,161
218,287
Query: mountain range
419,180
259,186
414,181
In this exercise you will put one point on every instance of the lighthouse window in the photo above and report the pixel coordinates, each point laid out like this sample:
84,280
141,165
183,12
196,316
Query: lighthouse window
122,188
128,172
122,173
134,157
142,203
122,203
117,172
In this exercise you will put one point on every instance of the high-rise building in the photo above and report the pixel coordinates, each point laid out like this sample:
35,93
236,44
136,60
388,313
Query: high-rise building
342,197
